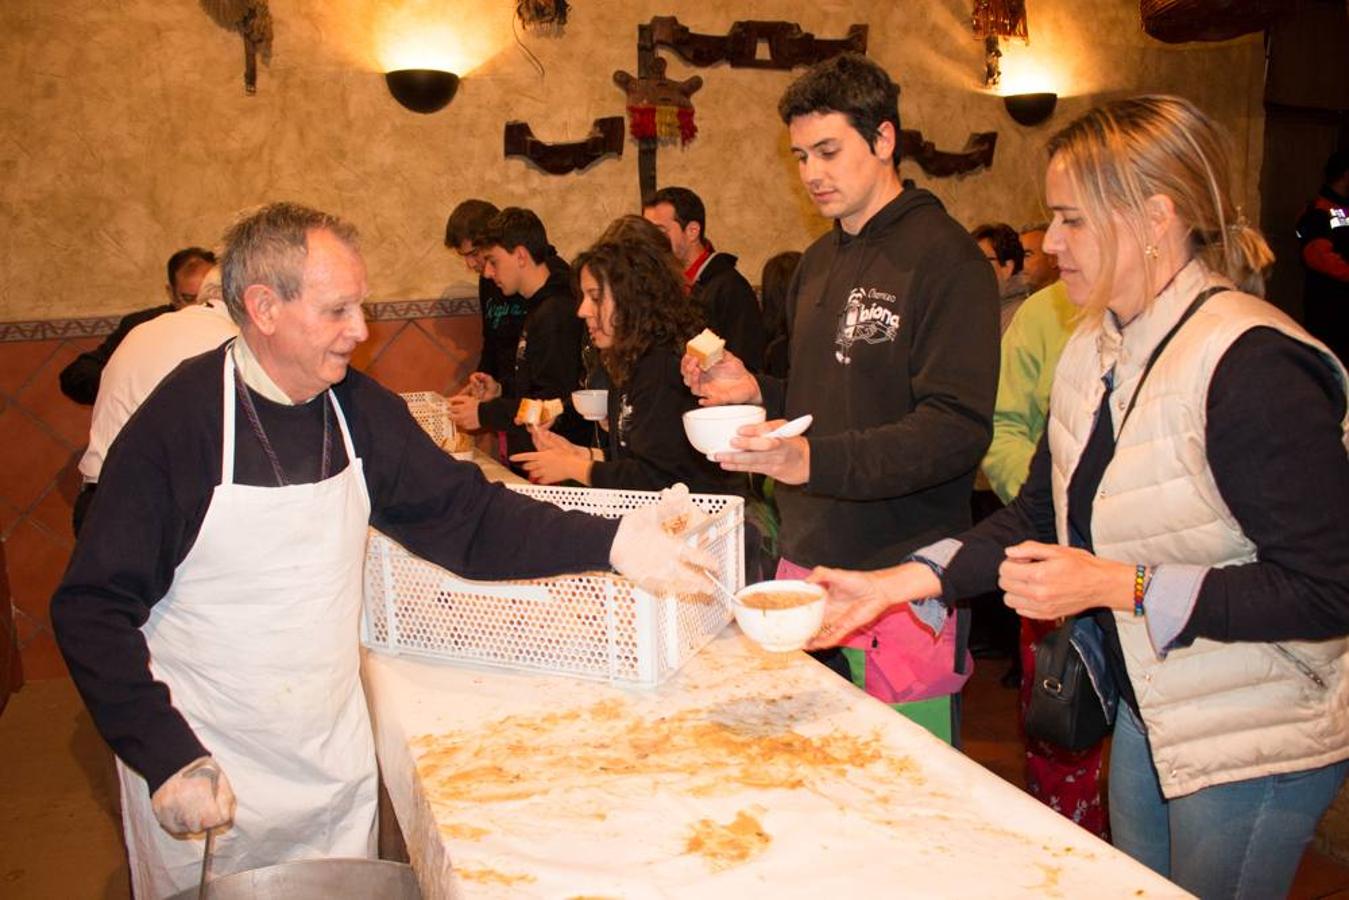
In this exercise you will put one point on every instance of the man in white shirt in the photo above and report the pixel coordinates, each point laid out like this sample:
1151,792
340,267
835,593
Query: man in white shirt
150,351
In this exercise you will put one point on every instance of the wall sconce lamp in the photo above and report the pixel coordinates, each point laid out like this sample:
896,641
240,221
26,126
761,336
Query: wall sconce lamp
422,90
1030,109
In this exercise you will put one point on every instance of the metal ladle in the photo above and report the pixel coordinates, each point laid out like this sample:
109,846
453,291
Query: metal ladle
730,595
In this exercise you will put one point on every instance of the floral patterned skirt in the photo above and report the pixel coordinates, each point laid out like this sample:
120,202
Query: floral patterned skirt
1067,781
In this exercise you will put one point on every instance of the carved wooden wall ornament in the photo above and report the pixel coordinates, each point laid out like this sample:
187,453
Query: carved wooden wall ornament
788,45
253,21
1000,18
978,153
548,16
660,109
1181,21
605,137
995,19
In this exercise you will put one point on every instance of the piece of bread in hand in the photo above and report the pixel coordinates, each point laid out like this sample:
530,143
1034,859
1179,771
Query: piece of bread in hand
538,412
457,442
706,348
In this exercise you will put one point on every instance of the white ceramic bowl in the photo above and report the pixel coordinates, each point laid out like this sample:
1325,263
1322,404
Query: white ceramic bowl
780,630
710,428
592,404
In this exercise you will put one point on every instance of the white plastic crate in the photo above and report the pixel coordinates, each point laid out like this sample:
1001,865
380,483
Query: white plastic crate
596,625
432,412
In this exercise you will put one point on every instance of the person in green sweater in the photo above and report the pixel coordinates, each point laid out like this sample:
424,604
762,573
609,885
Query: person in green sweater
1030,349
1064,780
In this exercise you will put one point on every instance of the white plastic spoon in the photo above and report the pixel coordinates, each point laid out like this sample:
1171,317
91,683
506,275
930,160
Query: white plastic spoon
793,428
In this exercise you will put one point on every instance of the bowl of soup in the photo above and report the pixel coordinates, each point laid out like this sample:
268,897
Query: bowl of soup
780,616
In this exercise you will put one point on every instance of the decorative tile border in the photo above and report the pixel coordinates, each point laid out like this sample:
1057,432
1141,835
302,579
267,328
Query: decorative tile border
440,308
375,311
57,329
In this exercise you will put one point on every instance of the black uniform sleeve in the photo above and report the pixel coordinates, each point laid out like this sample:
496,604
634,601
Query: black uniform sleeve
80,379
1313,224
552,367
445,511
772,388
733,313
554,352
954,378
658,451
1029,517
1278,458
498,414
139,527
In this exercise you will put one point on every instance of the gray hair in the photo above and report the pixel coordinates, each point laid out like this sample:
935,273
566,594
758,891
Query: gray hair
267,245
1033,226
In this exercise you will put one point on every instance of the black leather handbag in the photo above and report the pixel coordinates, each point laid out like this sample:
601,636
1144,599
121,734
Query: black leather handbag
1064,708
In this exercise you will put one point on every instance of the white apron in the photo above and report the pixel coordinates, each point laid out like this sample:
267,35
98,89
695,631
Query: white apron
257,640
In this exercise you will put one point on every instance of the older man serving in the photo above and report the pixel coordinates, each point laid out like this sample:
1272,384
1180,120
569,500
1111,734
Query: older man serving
209,614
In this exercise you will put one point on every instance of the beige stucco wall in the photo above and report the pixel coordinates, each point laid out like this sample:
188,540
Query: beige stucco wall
126,132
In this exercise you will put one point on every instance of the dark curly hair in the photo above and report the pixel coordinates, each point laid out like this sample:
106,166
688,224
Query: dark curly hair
652,310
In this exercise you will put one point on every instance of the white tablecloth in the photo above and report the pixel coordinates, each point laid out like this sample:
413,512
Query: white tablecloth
746,775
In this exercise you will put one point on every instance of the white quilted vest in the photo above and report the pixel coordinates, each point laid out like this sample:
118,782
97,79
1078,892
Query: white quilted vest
1215,712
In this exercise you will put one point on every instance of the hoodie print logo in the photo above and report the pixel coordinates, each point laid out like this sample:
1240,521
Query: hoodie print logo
624,420
865,318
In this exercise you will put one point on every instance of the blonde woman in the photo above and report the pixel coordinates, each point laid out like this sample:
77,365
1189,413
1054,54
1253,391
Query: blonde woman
1190,499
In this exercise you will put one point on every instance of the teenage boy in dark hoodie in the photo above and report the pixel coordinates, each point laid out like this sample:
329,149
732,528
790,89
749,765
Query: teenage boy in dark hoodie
502,317
548,355
726,298
894,350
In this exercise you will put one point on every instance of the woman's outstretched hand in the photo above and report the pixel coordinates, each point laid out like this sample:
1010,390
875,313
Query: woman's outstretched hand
854,600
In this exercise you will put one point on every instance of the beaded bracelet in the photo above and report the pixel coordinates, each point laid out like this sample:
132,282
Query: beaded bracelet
1140,587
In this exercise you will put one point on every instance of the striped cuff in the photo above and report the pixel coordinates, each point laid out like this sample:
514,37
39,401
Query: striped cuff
932,611
1170,602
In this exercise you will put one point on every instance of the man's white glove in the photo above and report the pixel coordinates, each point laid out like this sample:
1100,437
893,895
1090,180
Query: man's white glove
196,798
651,547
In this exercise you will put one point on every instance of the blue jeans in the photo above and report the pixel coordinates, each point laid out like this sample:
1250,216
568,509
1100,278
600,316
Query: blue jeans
1242,839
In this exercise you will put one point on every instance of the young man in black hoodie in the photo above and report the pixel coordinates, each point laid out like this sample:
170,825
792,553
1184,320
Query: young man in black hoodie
894,350
548,355
726,298
502,316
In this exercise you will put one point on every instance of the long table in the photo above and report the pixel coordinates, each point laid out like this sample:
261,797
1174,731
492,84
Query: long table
746,774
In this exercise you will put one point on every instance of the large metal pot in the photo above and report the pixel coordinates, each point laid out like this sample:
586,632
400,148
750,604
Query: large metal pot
315,879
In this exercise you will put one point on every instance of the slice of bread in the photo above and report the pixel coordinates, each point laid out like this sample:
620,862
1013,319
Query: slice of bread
457,442
706,348
538,412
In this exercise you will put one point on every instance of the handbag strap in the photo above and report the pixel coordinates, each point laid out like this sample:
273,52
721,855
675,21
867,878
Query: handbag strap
1161,345
1058,660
